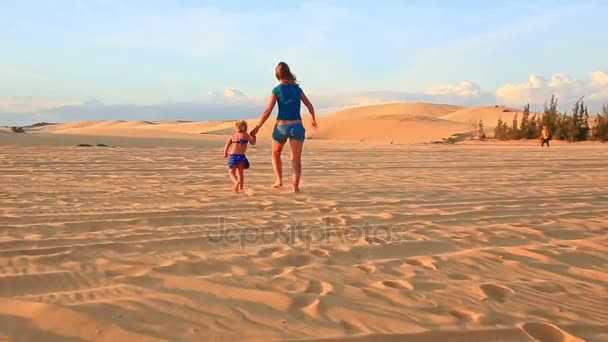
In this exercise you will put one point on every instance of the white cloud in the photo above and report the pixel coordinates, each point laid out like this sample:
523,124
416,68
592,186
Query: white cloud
233,93
599,78
463,89
234,103
25,104
567,89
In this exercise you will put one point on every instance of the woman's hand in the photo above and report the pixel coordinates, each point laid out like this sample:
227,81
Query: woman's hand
254,131
314,123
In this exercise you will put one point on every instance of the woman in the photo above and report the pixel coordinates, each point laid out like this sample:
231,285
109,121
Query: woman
288,95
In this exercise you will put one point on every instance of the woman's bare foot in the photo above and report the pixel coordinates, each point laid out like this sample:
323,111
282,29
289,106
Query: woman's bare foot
296,189
237,187
277,185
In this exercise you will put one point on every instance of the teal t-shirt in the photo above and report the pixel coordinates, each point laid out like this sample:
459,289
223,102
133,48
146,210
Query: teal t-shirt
288,97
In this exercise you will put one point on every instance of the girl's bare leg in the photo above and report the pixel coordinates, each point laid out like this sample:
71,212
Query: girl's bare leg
296,162
277,165
241,177
234,179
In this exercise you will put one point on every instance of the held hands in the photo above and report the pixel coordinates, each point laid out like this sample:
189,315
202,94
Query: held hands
254,131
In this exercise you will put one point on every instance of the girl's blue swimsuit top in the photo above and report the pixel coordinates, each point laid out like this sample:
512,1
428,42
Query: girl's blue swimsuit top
241,141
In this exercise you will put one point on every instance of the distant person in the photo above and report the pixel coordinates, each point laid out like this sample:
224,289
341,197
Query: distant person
288,125
545,137
237,161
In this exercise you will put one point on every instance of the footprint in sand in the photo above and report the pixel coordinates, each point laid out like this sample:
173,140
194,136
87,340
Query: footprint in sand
496,292
319,287
321,253
295,260
305,303
465,316
375,240
545,332
367,268
424,262
271,251
397,284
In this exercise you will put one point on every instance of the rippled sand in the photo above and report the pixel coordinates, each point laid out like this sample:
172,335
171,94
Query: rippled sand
423,243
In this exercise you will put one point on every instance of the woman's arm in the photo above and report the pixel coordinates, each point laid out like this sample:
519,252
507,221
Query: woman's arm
228,143
311,109
271,103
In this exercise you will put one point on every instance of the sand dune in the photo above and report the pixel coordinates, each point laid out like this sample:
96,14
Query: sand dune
401,109
386,128
386,243
489,115
397,122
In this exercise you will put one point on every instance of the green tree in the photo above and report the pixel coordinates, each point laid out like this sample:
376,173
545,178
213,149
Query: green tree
501,130
562,126
482,133
513,130
524,126
550,114
571,124
600,130
533,131
577,125
584,122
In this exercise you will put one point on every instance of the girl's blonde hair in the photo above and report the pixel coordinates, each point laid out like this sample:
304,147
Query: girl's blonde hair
241,125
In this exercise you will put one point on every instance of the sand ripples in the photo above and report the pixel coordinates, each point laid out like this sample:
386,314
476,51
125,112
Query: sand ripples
422,243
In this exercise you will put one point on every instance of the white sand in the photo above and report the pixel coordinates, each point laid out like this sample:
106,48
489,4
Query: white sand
478,242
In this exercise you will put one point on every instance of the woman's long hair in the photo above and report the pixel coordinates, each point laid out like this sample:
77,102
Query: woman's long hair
284,74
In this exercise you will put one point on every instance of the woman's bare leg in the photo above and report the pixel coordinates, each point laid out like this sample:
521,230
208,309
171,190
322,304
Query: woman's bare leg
296,162
277,165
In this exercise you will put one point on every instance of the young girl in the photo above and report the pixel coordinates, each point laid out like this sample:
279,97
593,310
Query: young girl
238,161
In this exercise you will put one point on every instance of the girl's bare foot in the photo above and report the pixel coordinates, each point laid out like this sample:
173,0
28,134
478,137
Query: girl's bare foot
241,186
236,187
296,190
277,185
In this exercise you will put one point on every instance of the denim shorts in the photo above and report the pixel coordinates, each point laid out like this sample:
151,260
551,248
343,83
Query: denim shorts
293,131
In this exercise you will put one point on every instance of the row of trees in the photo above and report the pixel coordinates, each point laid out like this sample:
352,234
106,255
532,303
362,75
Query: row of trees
573,127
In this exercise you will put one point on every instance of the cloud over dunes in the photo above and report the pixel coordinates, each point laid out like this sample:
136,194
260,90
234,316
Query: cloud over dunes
538,88
463,89
233,103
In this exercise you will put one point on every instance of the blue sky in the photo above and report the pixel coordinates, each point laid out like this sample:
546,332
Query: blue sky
67,52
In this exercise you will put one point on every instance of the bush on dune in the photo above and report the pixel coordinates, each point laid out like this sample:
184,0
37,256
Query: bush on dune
569,127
